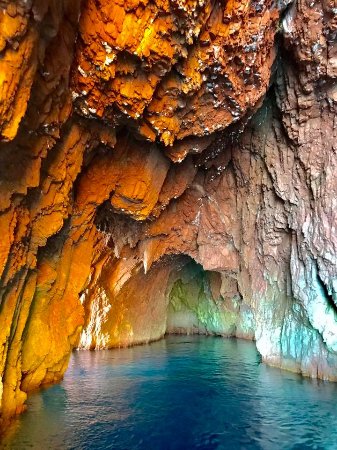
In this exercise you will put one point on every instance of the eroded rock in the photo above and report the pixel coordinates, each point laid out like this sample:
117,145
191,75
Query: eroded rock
146,184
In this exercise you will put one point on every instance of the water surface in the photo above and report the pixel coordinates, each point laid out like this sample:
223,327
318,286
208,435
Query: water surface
179,393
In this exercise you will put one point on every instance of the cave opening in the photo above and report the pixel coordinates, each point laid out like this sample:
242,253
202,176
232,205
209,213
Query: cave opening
177,296
207,302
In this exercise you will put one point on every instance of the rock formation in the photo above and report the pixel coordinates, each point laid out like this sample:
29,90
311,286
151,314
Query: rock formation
166,166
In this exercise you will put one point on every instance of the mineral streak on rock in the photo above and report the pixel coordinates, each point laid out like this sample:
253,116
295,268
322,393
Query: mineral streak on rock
148,184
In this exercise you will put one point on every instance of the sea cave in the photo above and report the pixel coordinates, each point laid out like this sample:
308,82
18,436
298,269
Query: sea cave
168,180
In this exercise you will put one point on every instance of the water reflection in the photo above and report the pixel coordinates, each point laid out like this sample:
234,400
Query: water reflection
179,393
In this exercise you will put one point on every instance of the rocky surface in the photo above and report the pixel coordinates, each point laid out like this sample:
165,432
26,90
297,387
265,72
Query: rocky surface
166,166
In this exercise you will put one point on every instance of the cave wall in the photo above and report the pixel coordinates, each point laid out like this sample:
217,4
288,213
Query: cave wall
206,302
138,135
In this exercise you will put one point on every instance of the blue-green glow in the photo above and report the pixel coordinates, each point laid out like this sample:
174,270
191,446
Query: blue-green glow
178,394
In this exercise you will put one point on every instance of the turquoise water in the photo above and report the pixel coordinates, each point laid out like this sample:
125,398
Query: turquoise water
179,393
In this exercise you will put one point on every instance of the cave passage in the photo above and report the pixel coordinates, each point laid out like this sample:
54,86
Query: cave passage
190,300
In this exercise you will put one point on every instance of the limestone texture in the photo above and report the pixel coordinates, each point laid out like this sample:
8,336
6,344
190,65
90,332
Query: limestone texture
166,166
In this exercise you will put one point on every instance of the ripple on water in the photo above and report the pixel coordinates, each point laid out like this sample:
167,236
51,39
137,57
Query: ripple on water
179,393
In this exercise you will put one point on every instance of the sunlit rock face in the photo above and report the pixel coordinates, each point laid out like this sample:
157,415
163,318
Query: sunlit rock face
175,68
166,166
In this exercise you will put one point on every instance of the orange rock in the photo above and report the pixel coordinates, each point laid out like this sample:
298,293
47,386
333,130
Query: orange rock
17,71
176,69
116,163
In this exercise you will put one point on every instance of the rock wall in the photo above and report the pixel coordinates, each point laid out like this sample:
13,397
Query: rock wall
140,136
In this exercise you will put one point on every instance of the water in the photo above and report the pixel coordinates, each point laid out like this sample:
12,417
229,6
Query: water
179,393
